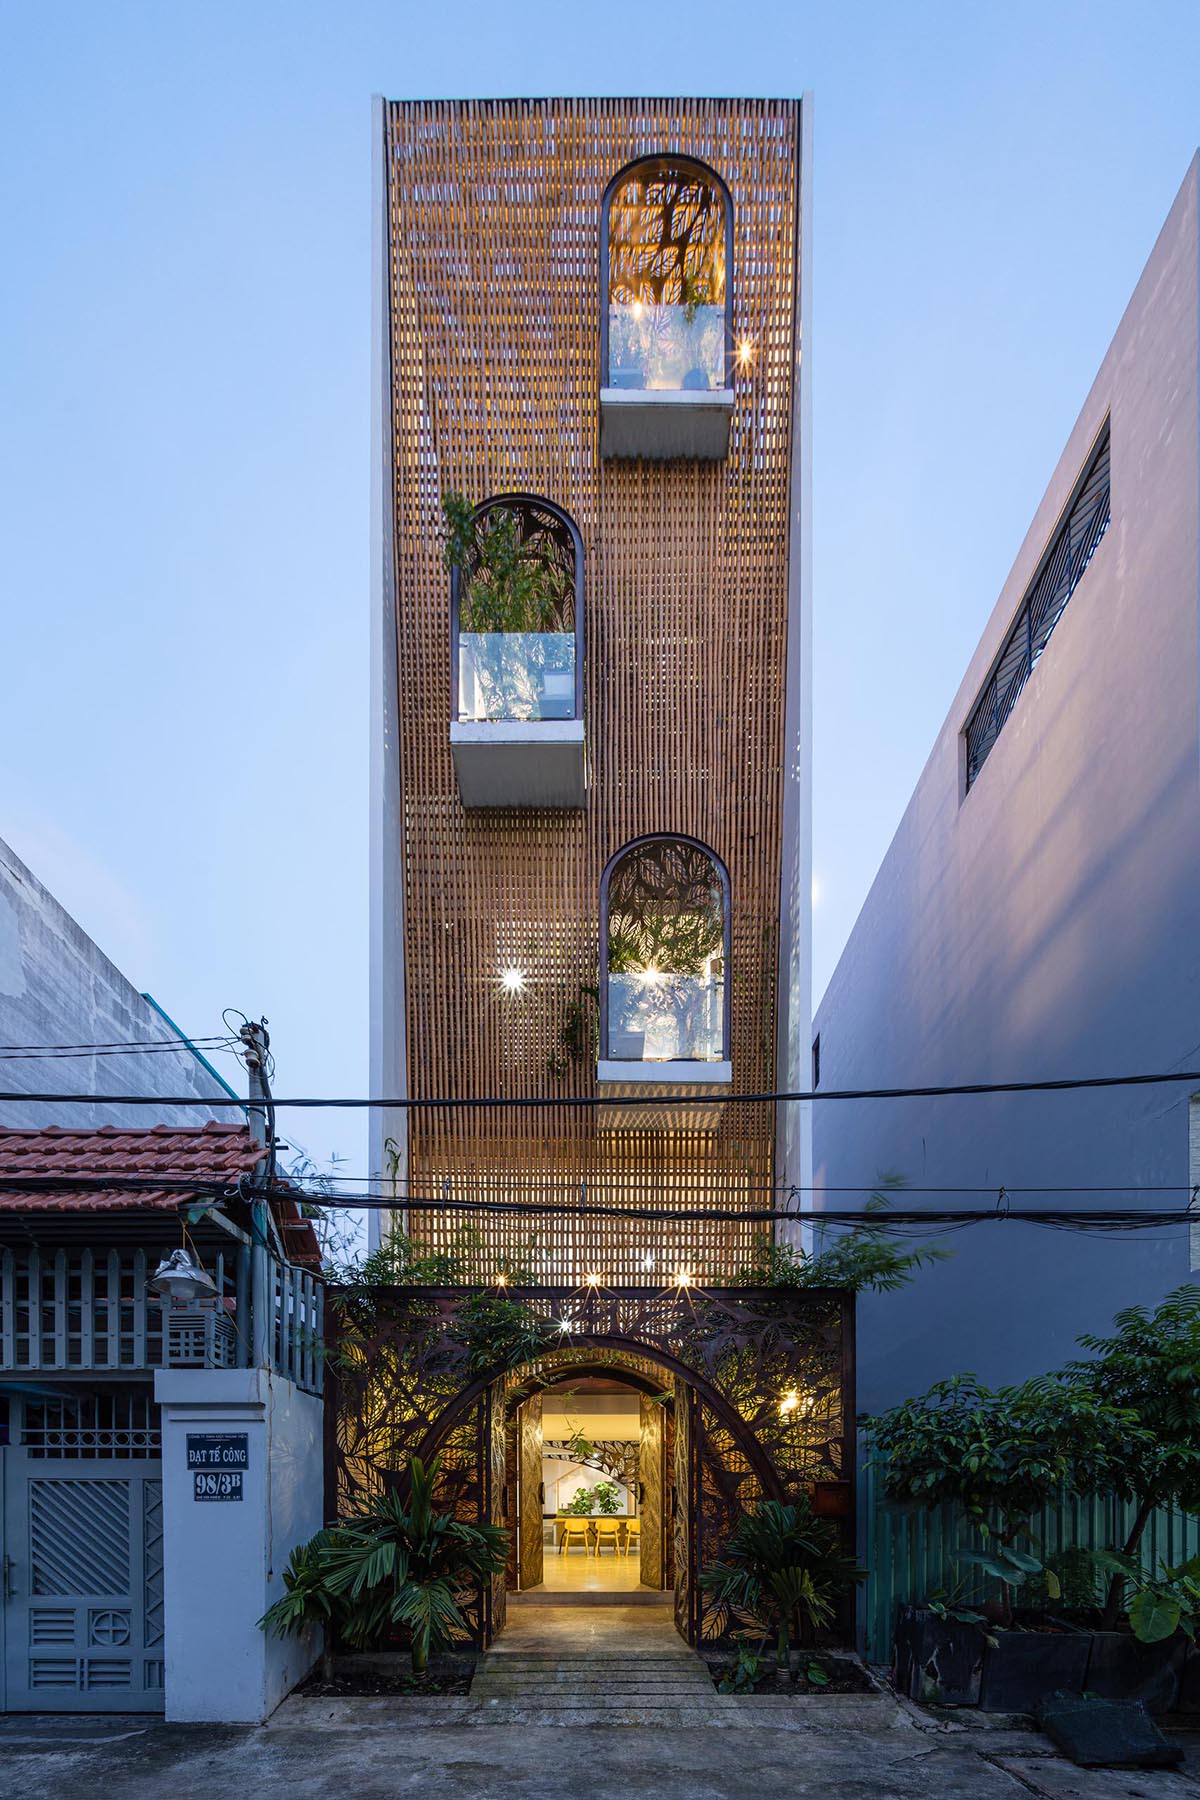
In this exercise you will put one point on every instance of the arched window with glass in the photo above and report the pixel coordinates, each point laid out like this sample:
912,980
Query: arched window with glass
664,954
667,256
516,610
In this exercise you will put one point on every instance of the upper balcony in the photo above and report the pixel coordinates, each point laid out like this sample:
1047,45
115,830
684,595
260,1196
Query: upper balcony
516,663
664,981
666,333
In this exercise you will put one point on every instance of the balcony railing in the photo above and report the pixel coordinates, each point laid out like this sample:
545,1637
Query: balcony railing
516,676
666,1018
86,1311
667,348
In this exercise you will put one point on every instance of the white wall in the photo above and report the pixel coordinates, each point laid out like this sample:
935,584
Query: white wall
56,987
223,1561
1047,923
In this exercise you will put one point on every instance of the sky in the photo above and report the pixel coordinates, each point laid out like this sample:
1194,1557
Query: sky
184,420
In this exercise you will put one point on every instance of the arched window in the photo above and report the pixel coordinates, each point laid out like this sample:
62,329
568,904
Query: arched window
664,953
516,610
667,253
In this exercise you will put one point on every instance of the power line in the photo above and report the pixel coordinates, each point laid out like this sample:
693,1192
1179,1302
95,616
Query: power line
189,1049
122,1047
402,1103
1076,1219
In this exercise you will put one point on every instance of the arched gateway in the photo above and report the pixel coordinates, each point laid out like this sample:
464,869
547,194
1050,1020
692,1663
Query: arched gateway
745,1393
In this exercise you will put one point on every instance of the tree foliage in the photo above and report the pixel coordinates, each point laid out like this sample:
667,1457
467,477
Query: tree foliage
862,1258
1150,1366
999,1455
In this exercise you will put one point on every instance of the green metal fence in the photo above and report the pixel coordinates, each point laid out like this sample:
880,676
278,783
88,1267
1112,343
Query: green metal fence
911,1554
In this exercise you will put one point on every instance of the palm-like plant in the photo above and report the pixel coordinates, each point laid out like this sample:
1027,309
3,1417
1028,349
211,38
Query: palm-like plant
306,1599
786,1569
396,1563
401,1563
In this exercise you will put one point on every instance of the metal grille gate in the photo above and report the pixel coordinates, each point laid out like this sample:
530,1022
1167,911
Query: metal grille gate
82,1558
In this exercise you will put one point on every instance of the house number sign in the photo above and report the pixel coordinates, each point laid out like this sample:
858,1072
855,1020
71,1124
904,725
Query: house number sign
217,1462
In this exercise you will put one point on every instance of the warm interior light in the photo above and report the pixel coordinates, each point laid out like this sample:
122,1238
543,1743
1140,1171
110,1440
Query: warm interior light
790,1401
637,309
502,1281
565,1325
512,980
647,1261
745,351
593,1281
683,1278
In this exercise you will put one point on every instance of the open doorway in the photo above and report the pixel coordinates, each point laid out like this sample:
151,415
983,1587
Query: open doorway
592,1475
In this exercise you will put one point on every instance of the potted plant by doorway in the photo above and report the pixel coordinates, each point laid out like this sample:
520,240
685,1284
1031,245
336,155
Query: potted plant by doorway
399,1564
784,1571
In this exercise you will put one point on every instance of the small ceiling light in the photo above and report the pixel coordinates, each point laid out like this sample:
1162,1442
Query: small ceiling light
565,1325
745,352
178,1277
637,309
790,1402
502,1280
593,1281
683,1278
651,977
512,980
648,1261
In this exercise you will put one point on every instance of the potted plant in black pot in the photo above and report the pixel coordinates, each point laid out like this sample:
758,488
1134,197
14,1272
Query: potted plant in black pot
997,1456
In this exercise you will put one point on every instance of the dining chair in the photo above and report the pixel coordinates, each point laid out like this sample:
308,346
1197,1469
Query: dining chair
608,1532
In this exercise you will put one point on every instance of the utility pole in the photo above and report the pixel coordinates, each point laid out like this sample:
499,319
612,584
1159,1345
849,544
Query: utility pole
255,1046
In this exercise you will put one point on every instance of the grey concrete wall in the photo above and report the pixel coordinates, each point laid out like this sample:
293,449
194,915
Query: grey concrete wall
1047,923
56,987
223,1562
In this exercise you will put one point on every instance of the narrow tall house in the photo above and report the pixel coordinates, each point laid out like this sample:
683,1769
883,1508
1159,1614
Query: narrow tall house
591,677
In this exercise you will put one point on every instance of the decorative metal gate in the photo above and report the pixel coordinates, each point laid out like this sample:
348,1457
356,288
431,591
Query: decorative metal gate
763,1384
83,1575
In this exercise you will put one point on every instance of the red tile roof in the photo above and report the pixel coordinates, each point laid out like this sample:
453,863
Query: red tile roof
195,1153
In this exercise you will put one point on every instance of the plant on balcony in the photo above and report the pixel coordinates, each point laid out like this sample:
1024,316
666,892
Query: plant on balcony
784,1570
1150,1366
666,938
517,588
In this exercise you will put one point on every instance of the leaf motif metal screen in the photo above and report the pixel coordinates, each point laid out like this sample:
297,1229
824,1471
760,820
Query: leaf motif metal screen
762,1382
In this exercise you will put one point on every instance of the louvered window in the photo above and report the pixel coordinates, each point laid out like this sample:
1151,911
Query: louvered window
1061,571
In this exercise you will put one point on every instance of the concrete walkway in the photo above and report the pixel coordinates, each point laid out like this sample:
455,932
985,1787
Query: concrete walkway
592,1665
394,1754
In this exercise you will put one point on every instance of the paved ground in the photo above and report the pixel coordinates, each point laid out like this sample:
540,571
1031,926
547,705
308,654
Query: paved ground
379,1757
573,1704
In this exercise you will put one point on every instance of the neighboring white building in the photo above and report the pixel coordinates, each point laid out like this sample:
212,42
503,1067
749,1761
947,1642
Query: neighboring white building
1038,912
58,988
